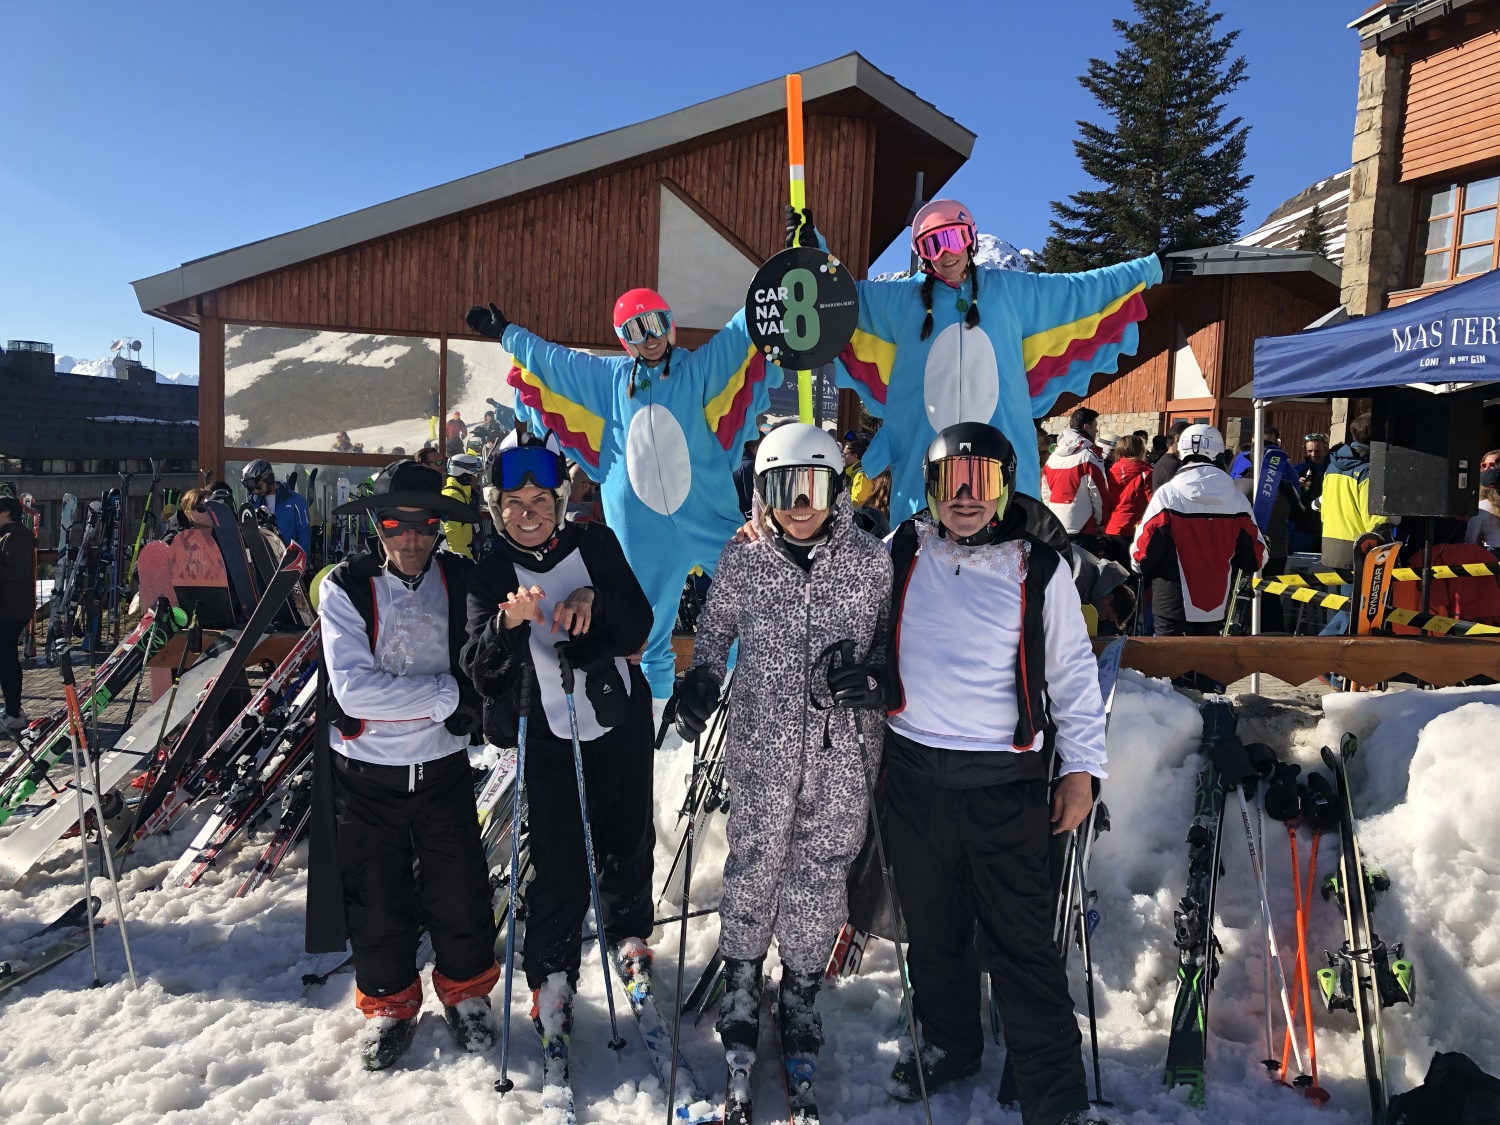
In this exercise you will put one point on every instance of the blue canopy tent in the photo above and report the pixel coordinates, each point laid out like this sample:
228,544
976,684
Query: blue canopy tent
1442,344
1446,342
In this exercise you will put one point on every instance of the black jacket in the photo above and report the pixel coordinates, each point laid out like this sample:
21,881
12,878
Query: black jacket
17,573
495,658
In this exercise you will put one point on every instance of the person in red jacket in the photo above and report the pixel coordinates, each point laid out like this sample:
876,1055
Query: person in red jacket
1132,487
1075,484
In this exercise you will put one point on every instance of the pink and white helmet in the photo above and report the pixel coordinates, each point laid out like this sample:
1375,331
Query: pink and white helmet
942,225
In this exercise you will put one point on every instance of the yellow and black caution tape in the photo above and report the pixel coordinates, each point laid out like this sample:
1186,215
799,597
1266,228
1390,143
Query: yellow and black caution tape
1427,622
1399,574
1462,570
1444,626
1292,586
1316,578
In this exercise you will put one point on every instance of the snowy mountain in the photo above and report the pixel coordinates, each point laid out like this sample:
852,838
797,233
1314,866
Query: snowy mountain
993,251
105,369
1283,227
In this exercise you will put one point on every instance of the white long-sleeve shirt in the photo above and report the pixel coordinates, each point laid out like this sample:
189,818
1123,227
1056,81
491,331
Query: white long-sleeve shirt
403,690
959,636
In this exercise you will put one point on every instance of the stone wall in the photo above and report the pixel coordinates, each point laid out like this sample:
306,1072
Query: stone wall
1379,217
1117,424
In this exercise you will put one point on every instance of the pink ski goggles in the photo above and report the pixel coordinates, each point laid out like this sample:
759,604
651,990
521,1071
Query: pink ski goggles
955,240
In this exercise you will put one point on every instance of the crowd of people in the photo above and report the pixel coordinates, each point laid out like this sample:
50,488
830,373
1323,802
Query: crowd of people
914,601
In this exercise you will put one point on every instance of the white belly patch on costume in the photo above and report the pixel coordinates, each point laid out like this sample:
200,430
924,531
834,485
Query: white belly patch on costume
656,459
962,381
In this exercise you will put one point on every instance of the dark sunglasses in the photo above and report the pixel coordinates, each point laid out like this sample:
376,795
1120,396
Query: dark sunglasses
394,525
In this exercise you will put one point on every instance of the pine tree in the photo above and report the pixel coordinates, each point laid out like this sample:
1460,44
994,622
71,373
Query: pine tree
1315,233
1168,168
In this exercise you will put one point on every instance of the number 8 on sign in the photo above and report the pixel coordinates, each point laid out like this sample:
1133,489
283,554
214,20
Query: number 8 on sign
801,309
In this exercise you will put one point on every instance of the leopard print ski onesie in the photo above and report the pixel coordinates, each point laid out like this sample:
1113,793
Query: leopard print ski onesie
798,800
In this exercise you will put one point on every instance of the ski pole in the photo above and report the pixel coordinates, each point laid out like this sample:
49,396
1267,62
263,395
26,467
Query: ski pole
1088,957
617,1043
798,198
687,878
75,719
846,652
523,711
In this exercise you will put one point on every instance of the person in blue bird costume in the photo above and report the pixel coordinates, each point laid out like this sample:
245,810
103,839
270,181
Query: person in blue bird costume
662,428
966,343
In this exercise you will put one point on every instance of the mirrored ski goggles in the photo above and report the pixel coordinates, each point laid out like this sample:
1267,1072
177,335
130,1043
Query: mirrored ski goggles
982,476
393,522
643,326
952,239
812,485
542,466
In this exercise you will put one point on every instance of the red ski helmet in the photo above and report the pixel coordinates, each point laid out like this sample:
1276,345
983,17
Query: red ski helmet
640,313
935,216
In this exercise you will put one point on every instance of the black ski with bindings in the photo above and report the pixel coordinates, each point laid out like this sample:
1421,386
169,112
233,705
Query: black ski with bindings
1197,947
51,945
192,737
1365,975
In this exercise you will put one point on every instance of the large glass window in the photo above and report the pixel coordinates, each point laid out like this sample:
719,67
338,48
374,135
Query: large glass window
291,388
1456,233
477,371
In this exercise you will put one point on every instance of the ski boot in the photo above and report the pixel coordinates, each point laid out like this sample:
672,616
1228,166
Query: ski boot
739,1030
383,1040
472,1023
938,1069
552,1016
633,958
801,1029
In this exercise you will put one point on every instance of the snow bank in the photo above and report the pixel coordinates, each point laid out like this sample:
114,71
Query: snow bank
222,1031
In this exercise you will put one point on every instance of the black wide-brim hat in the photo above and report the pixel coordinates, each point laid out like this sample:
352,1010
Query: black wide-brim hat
406,484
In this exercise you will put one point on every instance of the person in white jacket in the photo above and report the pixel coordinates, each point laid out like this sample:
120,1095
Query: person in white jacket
1075,483
393,624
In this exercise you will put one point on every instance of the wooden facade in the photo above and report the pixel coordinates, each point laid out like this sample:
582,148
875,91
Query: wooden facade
556,256
1451,118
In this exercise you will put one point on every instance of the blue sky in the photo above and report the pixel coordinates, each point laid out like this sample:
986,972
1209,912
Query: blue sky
139,136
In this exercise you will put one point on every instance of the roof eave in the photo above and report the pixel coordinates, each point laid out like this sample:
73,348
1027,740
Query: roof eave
1261,262
536,170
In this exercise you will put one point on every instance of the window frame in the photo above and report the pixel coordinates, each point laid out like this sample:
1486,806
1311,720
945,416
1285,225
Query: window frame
1455,215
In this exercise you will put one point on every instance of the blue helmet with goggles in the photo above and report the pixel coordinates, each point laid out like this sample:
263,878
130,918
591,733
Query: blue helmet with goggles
526,461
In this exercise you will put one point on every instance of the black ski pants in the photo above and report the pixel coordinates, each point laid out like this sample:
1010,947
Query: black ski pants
10,664
388,817
617,779
1169,615
971,869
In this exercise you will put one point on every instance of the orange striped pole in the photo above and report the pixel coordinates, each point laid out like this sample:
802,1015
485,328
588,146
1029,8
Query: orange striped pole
798,185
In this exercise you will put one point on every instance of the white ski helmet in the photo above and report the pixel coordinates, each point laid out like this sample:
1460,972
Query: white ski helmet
1200,441
463,464
797,445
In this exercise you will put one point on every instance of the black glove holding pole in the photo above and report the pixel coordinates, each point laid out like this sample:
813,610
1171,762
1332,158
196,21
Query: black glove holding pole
697,699
855,686
800,223
489,322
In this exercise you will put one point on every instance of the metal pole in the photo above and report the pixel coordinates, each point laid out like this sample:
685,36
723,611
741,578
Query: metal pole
1257,456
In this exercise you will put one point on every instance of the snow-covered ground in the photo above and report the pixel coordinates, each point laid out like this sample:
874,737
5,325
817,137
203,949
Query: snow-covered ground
222,1030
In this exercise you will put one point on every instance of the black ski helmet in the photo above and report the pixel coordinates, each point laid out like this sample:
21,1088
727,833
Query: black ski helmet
257,472
970,439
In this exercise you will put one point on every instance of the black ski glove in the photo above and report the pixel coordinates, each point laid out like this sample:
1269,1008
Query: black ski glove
489,322
605,688
468,716
697,699
800,221
857,686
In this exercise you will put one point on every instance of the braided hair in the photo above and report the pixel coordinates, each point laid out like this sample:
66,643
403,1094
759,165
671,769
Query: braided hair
634,367
971,317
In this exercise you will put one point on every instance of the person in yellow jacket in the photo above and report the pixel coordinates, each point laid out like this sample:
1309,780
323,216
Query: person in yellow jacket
860,485
463,471
1345,507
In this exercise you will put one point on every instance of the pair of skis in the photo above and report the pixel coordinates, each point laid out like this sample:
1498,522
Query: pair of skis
51,945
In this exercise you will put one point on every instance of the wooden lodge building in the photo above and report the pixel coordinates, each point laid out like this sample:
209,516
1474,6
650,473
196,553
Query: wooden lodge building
356,324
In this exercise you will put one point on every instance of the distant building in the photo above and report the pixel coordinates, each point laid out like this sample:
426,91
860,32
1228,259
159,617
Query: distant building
77,434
